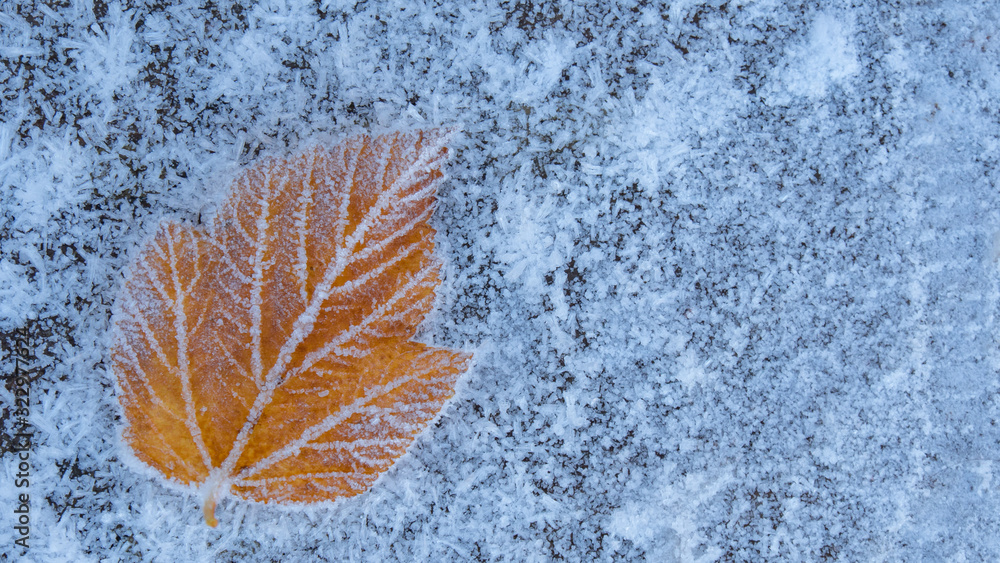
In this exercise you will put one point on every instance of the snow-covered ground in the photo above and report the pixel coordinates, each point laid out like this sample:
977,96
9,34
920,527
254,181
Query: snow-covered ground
731,271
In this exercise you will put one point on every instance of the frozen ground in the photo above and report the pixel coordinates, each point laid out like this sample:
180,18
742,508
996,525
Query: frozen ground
730,270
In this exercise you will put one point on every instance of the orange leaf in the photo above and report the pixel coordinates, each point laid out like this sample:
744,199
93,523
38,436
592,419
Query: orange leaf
270,356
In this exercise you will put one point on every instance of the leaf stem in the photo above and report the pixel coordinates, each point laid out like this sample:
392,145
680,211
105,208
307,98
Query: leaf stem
212,490
208,507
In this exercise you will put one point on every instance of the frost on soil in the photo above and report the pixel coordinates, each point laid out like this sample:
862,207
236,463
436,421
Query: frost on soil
729,270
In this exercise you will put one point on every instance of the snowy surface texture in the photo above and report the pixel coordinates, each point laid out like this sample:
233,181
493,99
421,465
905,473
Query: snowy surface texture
730,270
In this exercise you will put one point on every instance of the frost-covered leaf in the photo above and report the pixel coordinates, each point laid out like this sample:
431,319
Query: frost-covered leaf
270,355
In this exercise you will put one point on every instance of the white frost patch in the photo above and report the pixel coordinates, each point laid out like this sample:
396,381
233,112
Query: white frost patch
666,526
19,297
984,469
645,526
691,370
44,180
826,59
534,250
543,66
995,248
106,55
662,135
